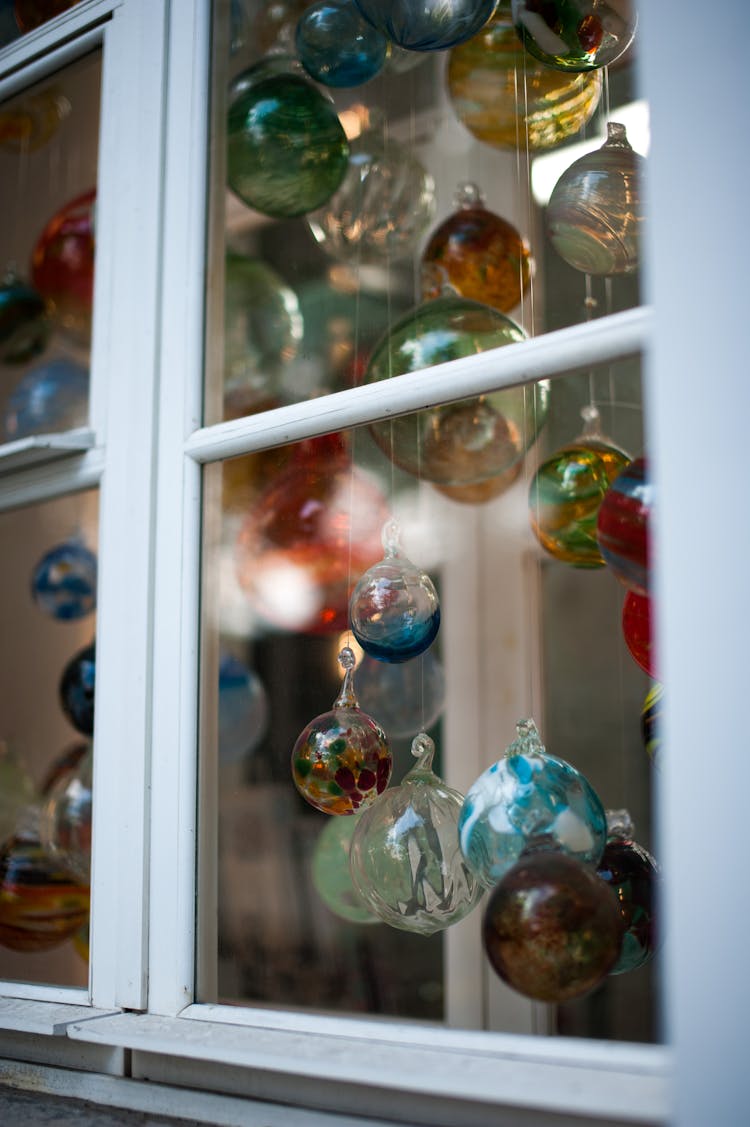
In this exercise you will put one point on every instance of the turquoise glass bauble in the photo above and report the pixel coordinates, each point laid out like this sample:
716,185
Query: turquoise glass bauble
63,583
287,151
575,35
65,822
418,26
243,709
529,794
51,397
24,325
337,47
331,874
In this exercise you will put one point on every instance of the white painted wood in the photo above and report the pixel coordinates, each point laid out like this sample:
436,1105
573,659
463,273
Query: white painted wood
40,448
49,1018
39,54
45,481
61,1052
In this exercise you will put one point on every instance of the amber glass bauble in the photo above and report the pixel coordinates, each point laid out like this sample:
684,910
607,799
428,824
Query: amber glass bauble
24,324
637,632
551,928
308,536
65,822
633,875
33,13
478,254
417,26
27,125
508,100
287,151
595,214
62,265
575,35
622,526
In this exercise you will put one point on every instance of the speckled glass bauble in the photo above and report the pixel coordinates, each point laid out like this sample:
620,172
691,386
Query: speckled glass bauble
651,722
16,791
595,214
53,396
341,761
566,492
27,125
287,151
65,822
24,325
331,875
551,928
404,697
63,583
336,46
478,254
77,686
636,630
243,709
308,536
633,875
394,609
405,859
62,266
622,526
417,26
461,443
506,99
575,35
525,794
262,332
33,13
384,205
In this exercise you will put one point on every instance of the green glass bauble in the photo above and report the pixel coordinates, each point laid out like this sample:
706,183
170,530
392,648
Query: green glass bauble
331,874
287,151
575,35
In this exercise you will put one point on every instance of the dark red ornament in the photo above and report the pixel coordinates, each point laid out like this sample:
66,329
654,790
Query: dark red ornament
636,630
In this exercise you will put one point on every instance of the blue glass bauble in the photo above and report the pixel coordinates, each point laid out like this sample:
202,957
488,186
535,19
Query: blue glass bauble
24,325
51,397
243,709
77,690
418,26
405,697
526,795
337,47
63,583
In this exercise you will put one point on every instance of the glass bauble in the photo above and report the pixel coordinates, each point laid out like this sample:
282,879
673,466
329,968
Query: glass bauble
331,874
287,151
405,697
506,99
417,26
622,526
651,722
478,254
551,928
243,709
17,791
308,536
274,25
633,875
24,325
41,906
82,943
524,795
384,205
65,822
636,630
460,443
575,35
51,397
63,583
595,214
405,859
77,686
336,46
262,332
341,761
33,13
62,265
394,609
63,765
480,492
27,125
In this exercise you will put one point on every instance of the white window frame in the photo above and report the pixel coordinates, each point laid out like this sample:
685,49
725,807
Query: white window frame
148,450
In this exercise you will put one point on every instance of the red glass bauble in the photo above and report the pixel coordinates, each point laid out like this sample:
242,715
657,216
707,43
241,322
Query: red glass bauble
636,629
62,266
622,527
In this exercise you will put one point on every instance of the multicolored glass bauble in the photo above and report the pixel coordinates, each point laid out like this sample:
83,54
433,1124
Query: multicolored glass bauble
478,254
461,443
566,492
51,397
633,875
63,583
243,709
331,874
384,205
551,928
595,214
336,46
62,265
17,791
575,35
287,152
417,26
33,13
636,630
308,535
506,99
394,609
65,822
77,686
262,331
405,858
622,526
405,697
341,761
524,795
24,325
27,125
650,722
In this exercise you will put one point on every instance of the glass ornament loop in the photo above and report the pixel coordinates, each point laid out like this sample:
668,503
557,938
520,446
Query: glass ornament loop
469,195
619,824
423,750
527,741
391,538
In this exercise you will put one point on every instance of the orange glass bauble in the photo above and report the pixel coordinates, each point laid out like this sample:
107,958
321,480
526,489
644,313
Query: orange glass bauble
62,266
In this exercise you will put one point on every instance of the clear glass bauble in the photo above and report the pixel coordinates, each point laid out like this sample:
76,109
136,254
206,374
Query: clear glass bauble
24,324
243,709
331,874
62,266
622,526
63,583
417,26
65,822
337,47
575,35
77,689
51,397
405,697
